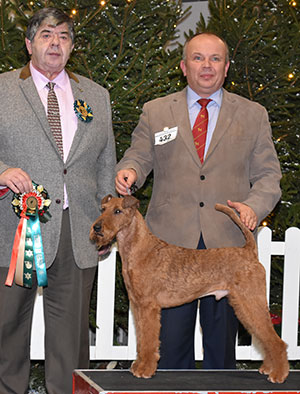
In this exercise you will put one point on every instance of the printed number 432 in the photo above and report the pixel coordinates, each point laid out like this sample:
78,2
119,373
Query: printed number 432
165,137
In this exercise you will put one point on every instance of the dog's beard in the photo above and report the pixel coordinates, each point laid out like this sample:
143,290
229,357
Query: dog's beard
103,245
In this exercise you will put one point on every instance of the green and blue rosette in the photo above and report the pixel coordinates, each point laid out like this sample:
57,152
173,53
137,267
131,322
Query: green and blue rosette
83,111
32,208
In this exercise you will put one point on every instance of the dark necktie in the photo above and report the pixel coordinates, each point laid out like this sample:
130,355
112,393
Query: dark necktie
54,117
200,128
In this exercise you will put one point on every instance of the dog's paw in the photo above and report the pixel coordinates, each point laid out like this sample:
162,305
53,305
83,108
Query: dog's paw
276,368
141,369
265,369
276,375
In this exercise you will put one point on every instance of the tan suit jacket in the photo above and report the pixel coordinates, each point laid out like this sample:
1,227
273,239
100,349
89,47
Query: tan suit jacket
241,165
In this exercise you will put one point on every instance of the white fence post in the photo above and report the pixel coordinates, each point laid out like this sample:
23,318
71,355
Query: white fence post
105,349
290,302
37,351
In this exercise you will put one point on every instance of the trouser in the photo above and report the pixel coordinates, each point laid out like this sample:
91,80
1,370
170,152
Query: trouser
66,312
219,328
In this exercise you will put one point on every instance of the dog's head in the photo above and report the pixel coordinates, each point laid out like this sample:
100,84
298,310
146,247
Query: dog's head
117,213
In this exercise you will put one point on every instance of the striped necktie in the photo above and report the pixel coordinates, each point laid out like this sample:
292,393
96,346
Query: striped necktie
54,117
200,128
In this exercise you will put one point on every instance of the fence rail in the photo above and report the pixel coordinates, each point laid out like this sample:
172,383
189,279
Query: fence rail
103,347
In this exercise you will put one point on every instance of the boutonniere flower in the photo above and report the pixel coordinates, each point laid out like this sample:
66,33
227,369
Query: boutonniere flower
83,111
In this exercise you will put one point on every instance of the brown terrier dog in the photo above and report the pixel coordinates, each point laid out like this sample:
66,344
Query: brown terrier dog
159,275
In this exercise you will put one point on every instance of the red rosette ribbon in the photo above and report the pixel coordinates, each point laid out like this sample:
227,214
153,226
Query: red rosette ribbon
32,208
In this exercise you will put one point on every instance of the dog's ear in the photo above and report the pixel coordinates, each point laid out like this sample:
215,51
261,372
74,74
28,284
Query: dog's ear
106,199
130,202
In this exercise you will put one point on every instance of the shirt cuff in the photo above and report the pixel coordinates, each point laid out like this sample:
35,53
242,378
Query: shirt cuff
3,191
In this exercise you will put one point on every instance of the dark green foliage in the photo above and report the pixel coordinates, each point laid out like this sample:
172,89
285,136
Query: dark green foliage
13,52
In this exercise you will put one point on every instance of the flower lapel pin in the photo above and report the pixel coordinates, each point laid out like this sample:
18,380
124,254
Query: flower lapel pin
83,111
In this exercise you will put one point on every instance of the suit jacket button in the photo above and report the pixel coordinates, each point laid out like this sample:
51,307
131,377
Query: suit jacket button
202,177
65,171
201,204
58,201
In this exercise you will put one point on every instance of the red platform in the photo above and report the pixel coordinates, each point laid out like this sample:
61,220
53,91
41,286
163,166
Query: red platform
94,381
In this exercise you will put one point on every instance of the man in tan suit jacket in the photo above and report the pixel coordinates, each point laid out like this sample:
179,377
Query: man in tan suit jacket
240,168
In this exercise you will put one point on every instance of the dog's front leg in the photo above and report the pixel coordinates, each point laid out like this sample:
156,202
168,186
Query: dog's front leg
147,325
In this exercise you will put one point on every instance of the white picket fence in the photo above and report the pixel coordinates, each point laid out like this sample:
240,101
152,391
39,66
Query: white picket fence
103,347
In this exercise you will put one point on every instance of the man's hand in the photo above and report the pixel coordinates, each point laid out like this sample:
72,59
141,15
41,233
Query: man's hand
17,180
124,180
247,215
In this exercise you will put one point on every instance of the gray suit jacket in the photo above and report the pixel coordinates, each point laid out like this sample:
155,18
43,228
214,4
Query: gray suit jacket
241,165
26,142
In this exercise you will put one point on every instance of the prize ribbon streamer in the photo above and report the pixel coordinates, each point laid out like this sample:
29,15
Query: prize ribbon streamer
32,208
38,252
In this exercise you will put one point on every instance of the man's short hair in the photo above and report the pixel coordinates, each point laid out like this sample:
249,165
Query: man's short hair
209,34
52,15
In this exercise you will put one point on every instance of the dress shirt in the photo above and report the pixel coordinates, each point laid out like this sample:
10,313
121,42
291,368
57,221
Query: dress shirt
65,99
213,109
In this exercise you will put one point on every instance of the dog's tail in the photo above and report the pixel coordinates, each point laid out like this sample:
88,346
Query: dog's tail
250,241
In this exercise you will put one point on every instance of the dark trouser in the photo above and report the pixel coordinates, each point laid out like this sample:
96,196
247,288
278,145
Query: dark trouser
66,311
219,328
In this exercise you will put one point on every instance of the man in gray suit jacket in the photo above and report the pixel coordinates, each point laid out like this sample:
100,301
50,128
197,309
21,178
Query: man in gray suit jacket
75,180
240,168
